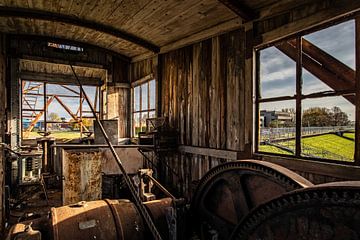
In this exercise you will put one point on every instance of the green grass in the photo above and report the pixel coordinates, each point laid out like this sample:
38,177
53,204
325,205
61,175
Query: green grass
349,135
328,146
62,135
273,149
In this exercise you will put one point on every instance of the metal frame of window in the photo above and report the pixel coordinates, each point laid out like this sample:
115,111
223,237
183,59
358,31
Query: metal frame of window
140,111
299,97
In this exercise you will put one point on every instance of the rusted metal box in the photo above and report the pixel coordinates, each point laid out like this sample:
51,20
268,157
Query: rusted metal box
81,170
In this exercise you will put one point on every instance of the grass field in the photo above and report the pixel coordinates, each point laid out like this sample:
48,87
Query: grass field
328,146
273,149
350,135
61,135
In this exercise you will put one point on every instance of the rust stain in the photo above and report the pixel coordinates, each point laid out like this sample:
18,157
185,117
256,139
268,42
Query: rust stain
82,173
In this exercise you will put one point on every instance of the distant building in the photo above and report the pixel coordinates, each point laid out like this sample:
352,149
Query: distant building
283,119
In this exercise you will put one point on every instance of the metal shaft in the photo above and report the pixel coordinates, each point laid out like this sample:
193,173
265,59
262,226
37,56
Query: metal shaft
138,203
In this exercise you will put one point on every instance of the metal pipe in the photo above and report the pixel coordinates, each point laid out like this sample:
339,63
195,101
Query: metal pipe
162,188
138,203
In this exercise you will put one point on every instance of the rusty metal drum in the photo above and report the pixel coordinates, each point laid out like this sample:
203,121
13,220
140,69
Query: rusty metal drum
103,219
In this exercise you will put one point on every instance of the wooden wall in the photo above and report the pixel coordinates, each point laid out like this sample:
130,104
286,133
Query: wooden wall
118,96
202,92
2,129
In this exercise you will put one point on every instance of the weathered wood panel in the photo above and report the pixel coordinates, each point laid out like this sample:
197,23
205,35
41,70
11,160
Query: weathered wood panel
2,129
203,92
37,47
203,96
286,18
118,108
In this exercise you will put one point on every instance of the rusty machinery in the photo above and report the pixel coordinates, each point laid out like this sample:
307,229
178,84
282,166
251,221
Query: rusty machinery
239,200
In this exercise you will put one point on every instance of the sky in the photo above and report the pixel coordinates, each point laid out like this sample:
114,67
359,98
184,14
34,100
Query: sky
71,103
278,72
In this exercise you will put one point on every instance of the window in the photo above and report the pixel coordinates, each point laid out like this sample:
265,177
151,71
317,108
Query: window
144,98
57,109
306,93
65,47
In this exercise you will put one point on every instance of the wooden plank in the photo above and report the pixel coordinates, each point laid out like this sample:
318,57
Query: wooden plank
142,80
210,152
336,10
240,9
57,17
195,95
58,78
189,94
249,91
298,125
202,35
321,168
215,119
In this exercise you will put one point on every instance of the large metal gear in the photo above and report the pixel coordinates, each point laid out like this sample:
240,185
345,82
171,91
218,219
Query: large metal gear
229,191
324,212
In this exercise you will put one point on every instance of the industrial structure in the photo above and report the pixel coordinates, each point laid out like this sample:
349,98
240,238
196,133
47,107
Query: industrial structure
168,119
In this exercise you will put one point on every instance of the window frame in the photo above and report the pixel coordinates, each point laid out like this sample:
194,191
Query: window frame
299,96
140,83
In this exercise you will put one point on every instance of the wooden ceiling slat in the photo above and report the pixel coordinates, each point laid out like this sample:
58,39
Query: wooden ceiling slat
43,15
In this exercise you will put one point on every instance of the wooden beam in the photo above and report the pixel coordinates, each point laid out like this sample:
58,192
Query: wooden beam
338,9
213,31
63,18
59,78
240,9
38,116
329,62
211,152
46,39
316,167
71,90
335,82
71,113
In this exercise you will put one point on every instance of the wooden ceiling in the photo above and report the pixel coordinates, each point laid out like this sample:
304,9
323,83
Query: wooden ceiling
129,27
46,68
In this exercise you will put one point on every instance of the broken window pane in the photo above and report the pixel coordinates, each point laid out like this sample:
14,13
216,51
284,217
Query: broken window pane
328,128
277,127
277,71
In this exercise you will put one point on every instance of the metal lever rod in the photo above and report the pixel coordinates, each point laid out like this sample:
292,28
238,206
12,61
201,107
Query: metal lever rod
138,203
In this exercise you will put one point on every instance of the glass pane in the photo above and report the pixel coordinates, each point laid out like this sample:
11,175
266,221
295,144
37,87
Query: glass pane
137,98
56,89
277,127
312,84
144,97
152,86
277,72
57,112
144,116
337,40
136,124
328,128
152,114
31,125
